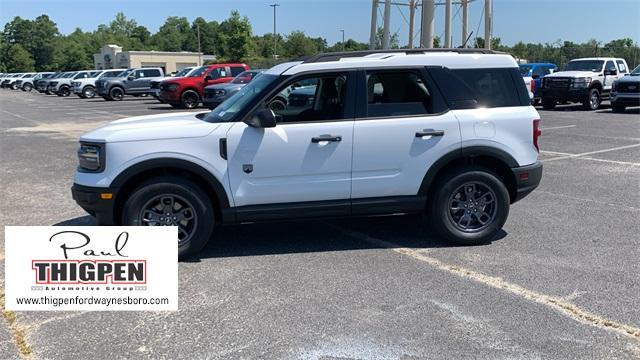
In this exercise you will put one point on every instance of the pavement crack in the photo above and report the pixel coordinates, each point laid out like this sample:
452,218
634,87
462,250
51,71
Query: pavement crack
558,304
18,332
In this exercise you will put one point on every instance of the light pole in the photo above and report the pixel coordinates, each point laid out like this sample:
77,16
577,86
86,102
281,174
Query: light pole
275,38
199,49
342,39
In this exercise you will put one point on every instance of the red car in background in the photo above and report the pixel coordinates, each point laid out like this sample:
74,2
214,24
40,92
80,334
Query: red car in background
186,92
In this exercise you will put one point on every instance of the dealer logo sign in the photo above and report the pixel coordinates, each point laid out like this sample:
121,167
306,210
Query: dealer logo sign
91,268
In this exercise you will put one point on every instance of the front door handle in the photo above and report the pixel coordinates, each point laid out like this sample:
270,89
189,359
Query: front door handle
429,132
318,139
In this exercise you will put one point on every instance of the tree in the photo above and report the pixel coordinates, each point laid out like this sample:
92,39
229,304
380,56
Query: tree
44,35
18,59
234,37
393,39
172,35
298,44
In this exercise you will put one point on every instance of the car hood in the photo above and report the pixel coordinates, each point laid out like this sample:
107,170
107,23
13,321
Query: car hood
629,79
151,127
573,74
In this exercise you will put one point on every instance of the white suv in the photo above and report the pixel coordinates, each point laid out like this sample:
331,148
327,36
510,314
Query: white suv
447,132
587,81
86,87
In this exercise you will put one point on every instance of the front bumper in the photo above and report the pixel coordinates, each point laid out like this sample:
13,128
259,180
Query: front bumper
90,199
169,96
566,94
527,179
629,99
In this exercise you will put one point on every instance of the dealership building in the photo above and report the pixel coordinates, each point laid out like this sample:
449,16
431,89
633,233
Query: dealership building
112,57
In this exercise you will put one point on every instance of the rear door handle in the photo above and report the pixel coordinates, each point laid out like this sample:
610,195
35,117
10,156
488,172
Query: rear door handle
429,132
318,139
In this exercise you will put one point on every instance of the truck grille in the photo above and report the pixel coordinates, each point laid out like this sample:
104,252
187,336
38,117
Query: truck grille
557,82
625,87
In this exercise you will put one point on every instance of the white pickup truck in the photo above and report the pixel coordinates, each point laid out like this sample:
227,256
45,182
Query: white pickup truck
587,81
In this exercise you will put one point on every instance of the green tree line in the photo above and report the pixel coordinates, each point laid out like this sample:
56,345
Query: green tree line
38,45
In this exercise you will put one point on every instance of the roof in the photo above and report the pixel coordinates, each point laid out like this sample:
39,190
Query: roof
451,58
598,58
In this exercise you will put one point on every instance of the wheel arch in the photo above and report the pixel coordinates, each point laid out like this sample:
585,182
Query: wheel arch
497,161
127,180
597,85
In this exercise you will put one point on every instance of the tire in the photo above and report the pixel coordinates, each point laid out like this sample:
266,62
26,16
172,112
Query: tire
548,103
88,92
14,86
193,233
116,93
449,212
592,102
27,87
619,108
189,99
64,91
536,102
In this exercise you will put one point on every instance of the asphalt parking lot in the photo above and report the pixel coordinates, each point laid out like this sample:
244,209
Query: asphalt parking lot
561,282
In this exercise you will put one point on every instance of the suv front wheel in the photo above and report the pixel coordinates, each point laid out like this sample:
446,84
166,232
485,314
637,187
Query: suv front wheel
469,207
116,93
169,201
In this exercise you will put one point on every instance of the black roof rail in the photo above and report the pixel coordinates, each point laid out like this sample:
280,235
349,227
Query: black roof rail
334,56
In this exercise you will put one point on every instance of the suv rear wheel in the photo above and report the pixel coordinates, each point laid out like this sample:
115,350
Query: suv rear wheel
64,91
27,87
469,206
592,102
189,99
170,201
116,93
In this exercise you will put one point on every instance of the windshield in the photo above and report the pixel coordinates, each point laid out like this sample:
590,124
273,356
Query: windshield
524,69
237,102
245,77
636,71
199,71
183,72
585,65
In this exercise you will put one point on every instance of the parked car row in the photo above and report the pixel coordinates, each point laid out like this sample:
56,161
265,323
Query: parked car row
588,81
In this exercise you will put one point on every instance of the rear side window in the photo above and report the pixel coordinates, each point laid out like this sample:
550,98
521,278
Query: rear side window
492,87
400,93
147,73
236,70
621,66
610,66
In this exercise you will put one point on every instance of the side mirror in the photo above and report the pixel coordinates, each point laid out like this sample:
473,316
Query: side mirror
610,72
263,118
131,77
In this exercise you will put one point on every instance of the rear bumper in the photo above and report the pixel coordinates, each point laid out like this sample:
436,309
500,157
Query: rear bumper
89,198
527,179
570,94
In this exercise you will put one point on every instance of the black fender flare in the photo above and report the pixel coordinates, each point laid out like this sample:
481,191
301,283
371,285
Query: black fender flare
160,163
461,154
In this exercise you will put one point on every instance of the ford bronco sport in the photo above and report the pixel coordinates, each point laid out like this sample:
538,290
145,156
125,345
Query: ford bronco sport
450,133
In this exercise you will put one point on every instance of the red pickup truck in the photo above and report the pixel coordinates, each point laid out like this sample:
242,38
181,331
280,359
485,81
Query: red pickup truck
186,92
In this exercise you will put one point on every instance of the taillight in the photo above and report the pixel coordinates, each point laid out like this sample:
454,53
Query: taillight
536,133
533,86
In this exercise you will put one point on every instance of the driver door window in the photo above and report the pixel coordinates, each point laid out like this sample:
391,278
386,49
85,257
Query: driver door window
318,98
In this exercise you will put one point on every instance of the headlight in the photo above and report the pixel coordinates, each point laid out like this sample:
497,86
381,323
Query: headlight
582,82
91,157
221,92
171,87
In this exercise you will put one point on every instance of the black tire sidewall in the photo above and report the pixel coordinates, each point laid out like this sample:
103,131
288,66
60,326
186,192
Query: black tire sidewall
617,107
548,104
587,103
84,92
189,93
439,206
184,188
113,92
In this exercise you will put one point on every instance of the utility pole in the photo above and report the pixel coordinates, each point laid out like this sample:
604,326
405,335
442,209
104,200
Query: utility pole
342,39
447,24
374,24
487,24
199,49
426,37
465,21
386,25
275,36
412,15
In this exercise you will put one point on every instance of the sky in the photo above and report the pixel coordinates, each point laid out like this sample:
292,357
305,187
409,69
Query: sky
514,20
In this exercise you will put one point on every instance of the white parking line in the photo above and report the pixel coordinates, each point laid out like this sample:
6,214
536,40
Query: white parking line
558,127
569,156
558,304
